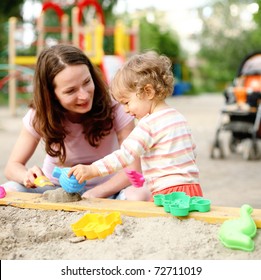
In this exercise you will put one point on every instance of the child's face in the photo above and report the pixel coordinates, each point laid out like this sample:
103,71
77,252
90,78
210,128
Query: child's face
137,106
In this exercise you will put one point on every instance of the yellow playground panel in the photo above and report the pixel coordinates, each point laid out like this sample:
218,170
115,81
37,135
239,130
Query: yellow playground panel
93,39
25,60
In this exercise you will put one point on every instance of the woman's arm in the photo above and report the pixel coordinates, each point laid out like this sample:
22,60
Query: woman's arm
23,150
119,181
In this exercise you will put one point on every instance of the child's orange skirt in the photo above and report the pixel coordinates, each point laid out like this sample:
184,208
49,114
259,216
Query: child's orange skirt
189,189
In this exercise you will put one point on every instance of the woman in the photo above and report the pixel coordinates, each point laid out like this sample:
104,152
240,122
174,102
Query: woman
76,118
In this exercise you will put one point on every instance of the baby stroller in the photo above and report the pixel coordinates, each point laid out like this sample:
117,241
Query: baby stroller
241,114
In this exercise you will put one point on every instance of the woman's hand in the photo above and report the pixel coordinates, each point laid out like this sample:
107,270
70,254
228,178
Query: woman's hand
83,172
31,175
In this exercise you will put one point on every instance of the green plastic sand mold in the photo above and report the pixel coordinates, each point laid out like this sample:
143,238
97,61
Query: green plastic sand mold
238,233
180,204
94,226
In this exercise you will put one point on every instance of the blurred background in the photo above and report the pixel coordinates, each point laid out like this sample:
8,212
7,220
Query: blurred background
206,39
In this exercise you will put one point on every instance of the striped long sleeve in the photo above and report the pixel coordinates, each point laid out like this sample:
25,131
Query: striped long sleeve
165,146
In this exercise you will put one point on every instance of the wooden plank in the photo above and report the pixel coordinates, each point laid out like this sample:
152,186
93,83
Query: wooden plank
216,215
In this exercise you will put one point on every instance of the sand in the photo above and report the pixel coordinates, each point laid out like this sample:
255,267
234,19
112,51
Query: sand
47,235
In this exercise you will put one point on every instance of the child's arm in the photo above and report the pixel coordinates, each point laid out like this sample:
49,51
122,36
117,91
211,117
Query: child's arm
84,172
131,148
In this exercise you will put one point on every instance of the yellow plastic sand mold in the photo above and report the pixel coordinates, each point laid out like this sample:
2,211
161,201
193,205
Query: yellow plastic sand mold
42,181
94,226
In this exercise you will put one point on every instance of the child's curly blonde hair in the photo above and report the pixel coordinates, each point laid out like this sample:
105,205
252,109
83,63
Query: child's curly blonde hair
141,70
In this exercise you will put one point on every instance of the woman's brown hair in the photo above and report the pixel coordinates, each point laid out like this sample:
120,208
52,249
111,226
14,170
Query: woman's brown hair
50,116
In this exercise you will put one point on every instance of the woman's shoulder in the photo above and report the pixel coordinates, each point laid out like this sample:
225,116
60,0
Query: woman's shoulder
28,122
29,115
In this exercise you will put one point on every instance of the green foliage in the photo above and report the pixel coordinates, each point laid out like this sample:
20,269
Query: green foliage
221,61
107,7
224,42
257,17
7,9
169,45
11,8
149,35
152,38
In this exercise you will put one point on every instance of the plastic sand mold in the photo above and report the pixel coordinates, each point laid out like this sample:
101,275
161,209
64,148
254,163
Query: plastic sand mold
136,178
180,204
238,233
94,226
69,184
42,181
2,192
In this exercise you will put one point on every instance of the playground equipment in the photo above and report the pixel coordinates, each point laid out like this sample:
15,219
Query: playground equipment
19,78
89,36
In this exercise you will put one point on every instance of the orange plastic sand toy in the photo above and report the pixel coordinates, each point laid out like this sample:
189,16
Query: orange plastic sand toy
94,226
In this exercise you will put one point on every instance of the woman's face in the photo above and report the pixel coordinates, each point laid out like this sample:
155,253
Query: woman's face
74,88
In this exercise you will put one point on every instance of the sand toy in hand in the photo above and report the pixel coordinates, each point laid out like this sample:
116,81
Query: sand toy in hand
43,181
136,178
69,184
2,192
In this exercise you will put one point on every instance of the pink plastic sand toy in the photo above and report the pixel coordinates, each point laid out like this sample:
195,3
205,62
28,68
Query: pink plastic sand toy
2,192
136,178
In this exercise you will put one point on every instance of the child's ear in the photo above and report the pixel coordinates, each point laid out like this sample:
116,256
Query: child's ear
149,91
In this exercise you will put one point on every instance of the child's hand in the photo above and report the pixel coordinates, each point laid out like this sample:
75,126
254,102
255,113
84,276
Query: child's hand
83,172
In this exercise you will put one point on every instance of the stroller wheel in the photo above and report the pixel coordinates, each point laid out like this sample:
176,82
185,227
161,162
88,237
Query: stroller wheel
233,143
217,151
249,151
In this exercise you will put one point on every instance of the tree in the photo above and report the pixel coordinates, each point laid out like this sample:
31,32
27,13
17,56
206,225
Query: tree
154,38
107,6
7,9
225,40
